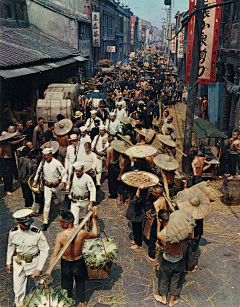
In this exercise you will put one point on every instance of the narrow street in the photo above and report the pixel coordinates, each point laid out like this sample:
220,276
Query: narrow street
133,280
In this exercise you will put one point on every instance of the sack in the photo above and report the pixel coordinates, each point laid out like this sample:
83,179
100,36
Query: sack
156,122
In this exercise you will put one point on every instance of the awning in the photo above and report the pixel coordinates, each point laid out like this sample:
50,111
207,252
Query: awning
204,129
17,72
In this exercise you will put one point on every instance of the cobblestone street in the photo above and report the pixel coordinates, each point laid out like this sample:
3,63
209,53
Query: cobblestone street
132,281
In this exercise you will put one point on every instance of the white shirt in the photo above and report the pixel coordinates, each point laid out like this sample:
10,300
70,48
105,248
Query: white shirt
89,160
70,156
113,127
52,170
98,142
83,140
80,186
120,113
90,123
28,242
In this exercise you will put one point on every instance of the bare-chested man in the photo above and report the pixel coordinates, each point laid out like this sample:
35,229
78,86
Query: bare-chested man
234,154
124,163
72,262
168,181
199,165
112,169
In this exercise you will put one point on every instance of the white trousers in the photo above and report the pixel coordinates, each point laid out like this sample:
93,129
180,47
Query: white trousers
79,209
99,171
48,192
19,286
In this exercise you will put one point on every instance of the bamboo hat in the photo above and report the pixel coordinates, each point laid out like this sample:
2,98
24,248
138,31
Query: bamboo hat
165,126
167,140
126,138
195,202
53,144
147,133
128,120
166,162
120,146
180,226
63,127
7,136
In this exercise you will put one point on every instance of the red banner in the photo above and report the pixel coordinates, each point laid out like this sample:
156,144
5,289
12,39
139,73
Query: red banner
132,27
209,42
190,40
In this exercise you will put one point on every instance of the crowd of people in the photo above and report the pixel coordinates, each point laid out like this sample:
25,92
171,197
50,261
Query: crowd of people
73,157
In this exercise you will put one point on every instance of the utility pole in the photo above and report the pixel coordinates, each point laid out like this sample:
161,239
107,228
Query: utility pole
193,87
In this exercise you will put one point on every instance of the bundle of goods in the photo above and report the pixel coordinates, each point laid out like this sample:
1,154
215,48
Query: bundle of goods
104,63
140,178
98,255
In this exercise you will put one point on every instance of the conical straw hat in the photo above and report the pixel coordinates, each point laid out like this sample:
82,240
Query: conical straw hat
120,146
195,202
166,162
180,226
53,144
126,138
127,120
7,136
165,126
63,127
147,133
166,139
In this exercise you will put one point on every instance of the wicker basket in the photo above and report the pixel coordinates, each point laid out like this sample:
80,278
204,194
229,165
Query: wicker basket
148,223
99,273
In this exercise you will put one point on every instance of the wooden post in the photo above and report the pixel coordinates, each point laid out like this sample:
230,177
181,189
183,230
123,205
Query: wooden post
192,94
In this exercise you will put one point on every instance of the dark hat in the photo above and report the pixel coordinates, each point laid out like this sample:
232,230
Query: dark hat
60,117
96,122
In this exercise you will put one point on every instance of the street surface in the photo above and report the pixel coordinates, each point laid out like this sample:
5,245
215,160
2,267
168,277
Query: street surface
133,280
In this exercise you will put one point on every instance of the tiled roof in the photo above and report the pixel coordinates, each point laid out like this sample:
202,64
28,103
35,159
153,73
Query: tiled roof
22,45
59,8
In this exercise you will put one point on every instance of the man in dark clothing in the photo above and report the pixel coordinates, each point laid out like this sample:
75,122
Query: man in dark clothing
149,106
95,130
164,99
38,130
28,130
180,89
149,92
24,166
48,135
131,107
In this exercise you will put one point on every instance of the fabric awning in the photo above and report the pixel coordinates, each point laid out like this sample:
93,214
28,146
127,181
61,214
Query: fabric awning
80,58
205,129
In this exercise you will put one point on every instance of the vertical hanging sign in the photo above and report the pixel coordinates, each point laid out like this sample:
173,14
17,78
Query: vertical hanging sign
180,44
209,42
190,40
96,29
132,28
173,44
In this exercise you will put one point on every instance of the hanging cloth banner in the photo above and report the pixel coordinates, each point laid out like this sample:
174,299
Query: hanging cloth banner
132,28
209,42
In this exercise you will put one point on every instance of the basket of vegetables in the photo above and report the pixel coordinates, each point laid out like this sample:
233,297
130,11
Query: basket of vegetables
49,297
99,255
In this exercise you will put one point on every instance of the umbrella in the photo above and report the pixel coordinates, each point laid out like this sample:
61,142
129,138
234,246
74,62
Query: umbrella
204,129
194,201
166,162
180,226
96,94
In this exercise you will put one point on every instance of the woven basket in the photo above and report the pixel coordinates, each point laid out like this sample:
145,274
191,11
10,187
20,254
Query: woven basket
99,273
148,223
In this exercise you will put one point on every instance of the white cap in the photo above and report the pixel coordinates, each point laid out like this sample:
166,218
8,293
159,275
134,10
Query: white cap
47,151
83,128
93,112
119,103
78,165
112,114
19,214
102,127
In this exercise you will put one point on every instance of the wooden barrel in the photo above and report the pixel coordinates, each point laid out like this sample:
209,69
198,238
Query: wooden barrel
231,191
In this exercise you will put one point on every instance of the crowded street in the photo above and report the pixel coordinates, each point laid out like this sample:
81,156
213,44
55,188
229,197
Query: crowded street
120,166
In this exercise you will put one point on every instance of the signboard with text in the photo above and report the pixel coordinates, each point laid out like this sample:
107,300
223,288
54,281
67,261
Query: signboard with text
180,44
111,49
96,29
173,42
132,28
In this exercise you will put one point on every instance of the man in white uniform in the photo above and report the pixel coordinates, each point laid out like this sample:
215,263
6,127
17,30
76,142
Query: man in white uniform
120,112
72,151
83,139
90,121
52,169
29,249
82,193
99,146
113,125
89,160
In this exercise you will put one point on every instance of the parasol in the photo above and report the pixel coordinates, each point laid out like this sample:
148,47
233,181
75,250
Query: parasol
194,201
53,144
166,162
63,127
96,94
167,140
180,226
204,129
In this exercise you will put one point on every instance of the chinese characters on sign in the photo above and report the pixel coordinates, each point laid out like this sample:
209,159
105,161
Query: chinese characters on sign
180,44
173,42
84,47
132,27
190,39
111,48
96,29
